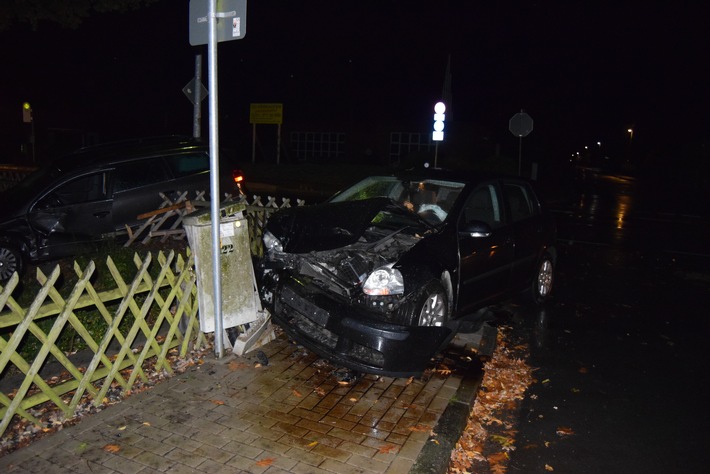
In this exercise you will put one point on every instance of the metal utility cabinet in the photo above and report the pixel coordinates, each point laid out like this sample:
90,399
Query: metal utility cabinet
239,298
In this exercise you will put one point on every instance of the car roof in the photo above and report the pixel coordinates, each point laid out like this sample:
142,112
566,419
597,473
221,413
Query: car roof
457,175
126,150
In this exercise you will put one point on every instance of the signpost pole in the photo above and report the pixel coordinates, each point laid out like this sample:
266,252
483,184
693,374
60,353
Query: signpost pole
197,109
214,180
278,145
206,30
253,143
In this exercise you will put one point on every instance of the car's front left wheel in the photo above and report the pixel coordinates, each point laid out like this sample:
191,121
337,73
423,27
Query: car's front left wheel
431,307
10,261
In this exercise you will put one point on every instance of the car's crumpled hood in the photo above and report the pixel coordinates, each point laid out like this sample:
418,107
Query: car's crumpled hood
339,244
332,225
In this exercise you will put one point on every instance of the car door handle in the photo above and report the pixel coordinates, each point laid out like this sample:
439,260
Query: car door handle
101,214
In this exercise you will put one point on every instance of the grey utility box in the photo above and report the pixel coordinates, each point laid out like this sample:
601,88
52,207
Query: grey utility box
239,295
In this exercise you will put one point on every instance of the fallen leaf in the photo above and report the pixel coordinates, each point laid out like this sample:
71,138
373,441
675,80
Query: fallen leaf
564,431
420,428
217,402
296,393
314,443
235,365
388,449
112,448
121,428
145,423
265,462
548,468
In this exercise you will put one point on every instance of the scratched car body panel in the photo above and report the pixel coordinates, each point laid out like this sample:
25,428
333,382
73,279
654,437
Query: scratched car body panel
381,276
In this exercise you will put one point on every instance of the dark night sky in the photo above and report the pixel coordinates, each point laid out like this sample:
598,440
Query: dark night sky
584,71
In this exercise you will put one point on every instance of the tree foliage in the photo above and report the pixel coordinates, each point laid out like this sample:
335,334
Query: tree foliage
69,14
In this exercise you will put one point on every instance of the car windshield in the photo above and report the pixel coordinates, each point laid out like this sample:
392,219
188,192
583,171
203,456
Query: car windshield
431,198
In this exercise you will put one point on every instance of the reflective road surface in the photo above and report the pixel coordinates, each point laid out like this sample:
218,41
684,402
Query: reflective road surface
621,350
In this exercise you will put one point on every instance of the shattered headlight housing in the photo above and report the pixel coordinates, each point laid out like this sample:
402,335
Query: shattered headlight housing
272,243
384,281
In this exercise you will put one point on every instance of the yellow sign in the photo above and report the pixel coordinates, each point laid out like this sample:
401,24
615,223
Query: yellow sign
266,113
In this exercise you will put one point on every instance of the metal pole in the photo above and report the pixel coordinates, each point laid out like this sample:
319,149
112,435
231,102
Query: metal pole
214,181
278,144
197,110
436,153
33,139
253,143
520,154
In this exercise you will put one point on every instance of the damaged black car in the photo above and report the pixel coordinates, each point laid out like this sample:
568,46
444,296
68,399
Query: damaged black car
381,276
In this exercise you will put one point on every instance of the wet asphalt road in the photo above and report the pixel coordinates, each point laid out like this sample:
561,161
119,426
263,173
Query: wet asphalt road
621,350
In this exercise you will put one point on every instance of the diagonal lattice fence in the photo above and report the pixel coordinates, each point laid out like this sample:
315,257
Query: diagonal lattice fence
145,321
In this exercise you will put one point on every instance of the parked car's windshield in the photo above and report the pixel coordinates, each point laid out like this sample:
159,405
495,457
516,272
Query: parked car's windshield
425,195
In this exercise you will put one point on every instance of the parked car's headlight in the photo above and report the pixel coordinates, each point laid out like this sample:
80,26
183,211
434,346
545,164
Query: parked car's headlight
272,243
384,281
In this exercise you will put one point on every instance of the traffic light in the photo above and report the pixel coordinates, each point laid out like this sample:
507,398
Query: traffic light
26,112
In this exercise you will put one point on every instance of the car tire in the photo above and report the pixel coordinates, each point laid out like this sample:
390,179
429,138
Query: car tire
10,261
430,307
542,282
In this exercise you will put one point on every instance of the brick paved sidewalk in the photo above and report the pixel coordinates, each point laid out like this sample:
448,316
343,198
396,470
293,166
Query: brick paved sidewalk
232,415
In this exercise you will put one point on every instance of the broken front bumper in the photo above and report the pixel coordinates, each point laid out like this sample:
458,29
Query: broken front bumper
350,336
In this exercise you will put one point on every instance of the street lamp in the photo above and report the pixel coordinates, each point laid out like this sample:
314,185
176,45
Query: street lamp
631,134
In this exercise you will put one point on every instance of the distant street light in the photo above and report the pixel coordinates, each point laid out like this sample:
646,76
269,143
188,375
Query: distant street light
631,135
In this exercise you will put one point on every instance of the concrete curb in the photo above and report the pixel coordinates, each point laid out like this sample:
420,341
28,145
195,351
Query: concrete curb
435,456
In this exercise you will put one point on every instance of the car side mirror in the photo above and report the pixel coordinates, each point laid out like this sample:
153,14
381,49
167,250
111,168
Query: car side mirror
475,229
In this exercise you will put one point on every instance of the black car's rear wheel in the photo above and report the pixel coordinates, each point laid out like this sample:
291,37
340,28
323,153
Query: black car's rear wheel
10,261
542,282
431,307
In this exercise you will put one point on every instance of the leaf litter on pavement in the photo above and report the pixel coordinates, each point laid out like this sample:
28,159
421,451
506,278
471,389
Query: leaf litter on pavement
490,432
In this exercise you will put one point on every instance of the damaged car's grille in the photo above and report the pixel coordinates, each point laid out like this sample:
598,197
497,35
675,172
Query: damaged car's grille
330,340
343,271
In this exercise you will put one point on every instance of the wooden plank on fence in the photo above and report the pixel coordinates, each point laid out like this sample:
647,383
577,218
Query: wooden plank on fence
161,210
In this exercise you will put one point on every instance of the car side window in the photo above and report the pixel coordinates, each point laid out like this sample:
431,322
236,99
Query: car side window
186,165
88,188
139,173
484,205
520,201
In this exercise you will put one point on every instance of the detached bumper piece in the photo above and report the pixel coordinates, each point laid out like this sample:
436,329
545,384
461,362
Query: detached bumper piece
351,337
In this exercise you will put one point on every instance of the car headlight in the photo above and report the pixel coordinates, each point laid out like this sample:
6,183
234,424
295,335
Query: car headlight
384,281
272,243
